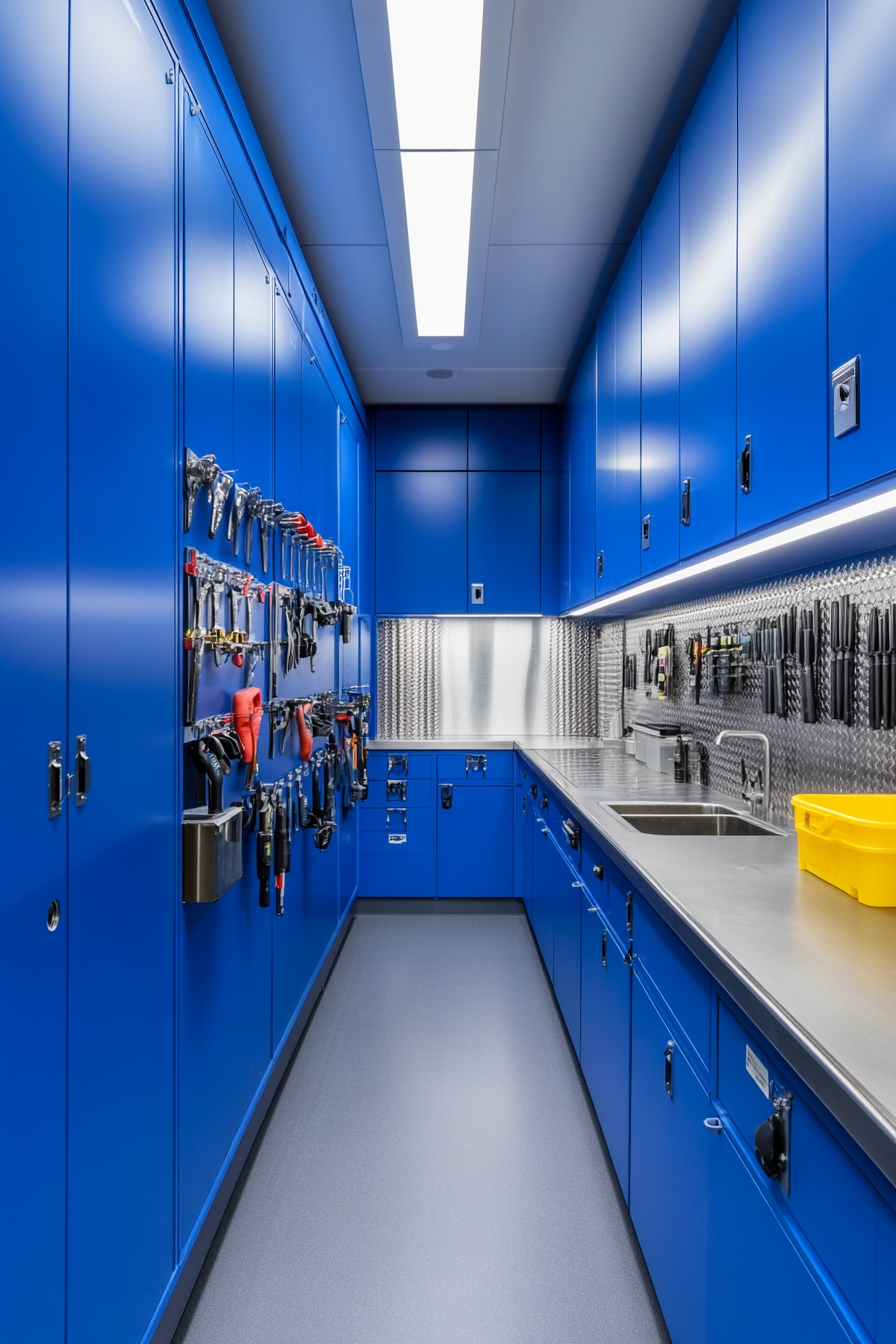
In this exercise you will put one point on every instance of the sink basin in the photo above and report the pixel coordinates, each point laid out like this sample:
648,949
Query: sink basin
688,824
674,809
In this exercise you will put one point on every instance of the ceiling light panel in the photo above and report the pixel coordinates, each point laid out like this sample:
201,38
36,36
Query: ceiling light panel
438,194
436,50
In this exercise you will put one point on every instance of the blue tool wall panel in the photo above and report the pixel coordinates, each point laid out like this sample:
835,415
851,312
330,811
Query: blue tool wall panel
421,542
421,439
709,307
781,264
124,842
659,374
626,533
504,438
252,354
504,545
861,224
605,451
33,224
578,426
287,402
302,936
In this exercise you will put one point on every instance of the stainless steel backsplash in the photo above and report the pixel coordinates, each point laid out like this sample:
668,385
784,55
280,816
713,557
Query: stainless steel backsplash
491,677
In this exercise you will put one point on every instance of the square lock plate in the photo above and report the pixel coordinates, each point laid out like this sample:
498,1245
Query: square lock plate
845,397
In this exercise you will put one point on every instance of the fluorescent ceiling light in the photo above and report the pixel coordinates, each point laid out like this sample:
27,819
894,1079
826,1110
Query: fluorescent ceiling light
436,49
438,197
851,513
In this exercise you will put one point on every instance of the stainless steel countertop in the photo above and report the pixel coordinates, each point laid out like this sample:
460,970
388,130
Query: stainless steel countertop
813,969
478,743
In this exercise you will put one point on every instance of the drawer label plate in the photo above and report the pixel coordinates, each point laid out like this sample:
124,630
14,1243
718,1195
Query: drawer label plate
757,1071
398,839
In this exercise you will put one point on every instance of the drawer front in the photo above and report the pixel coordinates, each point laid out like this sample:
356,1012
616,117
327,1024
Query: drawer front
682,982
418,765
829,1197
396,818
608,888
399,873
404,793
407,842
521,771
452,767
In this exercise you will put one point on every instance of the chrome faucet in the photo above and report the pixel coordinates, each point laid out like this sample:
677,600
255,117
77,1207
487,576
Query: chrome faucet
765,774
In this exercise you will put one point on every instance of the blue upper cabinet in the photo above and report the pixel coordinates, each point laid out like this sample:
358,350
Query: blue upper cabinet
708,351
862,225
782,299
605,453
504,534
659,376
421,542
579,427
505,438
421,439
626,532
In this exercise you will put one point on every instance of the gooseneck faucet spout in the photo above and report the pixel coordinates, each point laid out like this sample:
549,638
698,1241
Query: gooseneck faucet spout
767,768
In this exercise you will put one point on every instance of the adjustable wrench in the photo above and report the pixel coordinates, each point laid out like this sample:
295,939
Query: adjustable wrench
237,513
198,472
217,497
253,511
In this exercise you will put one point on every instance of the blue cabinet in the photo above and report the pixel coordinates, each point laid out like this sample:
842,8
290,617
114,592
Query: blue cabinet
542,893
33,295
606,1031
421,439
523,830
605,449
659,375
708,352
861,225
421,542
503,549
781,268
626,531
124,848
578,428
504,438
253,401
287,403
668,1195
566,887
475,841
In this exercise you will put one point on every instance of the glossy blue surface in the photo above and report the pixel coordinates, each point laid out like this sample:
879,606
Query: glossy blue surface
669,1149
418,439
708,352
475,842
682,983
504,540
567,942
606,1033
504,438
542,893
605,450
578,427
781,267
33,223
659,372
124,626
861,221
626,531
421,542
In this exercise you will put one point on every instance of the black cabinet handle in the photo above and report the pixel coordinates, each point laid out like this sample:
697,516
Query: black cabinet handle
603,947
668,1055
54,779
686,502
746,465
629,911
83,772
598,871
600,565
573,833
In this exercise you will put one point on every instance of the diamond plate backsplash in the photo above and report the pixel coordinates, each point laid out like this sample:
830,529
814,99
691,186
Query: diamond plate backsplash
824,757
408,667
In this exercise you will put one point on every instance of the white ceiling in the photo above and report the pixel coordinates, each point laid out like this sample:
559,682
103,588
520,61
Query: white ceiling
595,93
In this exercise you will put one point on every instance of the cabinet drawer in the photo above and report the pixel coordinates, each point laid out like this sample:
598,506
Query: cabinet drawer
678,976
402,872
498,767
404,765
608,888
405,793
408,842
829,1197
408,819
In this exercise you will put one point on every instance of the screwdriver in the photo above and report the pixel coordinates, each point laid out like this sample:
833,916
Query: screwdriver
281,854
264,847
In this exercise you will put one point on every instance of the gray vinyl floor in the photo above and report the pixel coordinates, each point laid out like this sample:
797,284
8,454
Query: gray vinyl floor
431,1171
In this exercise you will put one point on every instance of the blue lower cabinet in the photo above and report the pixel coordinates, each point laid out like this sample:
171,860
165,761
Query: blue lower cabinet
523,828
348,858
668,1194
303,933
606,1031
476,767
474,841
567,887
676,979
542,894
757,1284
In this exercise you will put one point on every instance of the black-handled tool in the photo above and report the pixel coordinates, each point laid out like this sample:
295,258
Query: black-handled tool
282,856
264,853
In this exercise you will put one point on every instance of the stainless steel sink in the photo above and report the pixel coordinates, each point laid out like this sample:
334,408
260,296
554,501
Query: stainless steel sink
661,818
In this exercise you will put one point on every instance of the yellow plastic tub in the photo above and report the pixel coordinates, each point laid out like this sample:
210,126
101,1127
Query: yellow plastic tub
849,840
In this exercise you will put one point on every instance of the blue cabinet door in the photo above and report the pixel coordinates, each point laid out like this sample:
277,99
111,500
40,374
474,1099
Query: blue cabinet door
605,450
659,374
303,932
743,1233
33,243
781,262
421,542
542,893
708,352
287,406
861,225
567,887
606,1031
503,551
504,438
421,438
668,1197
253,389
579,425
522,846
474,841
626,532
124,850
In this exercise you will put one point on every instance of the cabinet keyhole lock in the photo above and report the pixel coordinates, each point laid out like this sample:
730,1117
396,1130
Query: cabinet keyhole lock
668,1057
772,1139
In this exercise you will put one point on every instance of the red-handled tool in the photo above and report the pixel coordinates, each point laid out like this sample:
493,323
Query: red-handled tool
306,738
247,715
